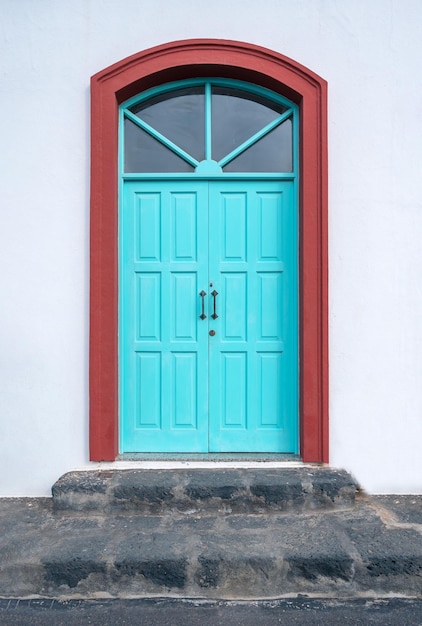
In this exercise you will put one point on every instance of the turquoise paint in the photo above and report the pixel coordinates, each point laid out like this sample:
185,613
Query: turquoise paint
181,390
208,167
208,146
209,175
163,343
253,385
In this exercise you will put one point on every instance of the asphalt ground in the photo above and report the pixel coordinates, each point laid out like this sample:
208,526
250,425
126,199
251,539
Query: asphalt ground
168,612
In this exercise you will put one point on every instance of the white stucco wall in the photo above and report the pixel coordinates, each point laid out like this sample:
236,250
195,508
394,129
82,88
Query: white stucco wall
370,53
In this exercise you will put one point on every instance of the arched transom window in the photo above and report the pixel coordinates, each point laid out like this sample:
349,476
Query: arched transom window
209,127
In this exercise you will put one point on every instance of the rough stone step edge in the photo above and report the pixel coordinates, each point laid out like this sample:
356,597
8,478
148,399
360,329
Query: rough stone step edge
200,491
222,578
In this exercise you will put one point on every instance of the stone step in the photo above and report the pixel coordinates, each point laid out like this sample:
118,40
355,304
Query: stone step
205,491
334,553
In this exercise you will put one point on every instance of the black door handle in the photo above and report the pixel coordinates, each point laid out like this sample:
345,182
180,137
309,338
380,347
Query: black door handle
214,295
203,294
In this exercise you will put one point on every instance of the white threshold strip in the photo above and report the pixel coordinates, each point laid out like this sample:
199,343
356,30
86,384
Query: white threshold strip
195,464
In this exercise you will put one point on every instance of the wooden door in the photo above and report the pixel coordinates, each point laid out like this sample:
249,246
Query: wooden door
209,317
253,354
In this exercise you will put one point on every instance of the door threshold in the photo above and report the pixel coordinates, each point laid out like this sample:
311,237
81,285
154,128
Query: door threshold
153,460
207,456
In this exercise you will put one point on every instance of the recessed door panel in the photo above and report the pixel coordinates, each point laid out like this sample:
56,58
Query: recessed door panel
147,391
183,296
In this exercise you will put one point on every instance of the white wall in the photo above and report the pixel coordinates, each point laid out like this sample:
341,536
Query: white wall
370,53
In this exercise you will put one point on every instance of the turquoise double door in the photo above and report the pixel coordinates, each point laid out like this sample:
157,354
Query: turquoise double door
208,316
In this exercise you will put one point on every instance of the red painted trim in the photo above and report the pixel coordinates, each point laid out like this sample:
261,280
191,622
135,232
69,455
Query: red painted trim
199,58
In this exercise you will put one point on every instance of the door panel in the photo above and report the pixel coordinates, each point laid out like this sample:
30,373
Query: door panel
253,355
163,349
182,389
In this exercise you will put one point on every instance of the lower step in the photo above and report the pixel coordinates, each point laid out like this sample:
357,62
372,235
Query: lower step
155,492
336,553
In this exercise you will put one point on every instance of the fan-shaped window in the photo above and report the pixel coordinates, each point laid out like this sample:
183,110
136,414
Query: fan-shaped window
144,153
209,127
179,116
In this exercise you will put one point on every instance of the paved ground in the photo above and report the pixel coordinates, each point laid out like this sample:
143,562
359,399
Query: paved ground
406,509
299,612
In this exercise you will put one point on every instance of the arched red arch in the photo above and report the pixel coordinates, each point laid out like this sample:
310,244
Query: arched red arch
200,58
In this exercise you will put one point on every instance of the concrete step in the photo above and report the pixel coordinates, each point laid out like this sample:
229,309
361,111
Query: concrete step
341,552
205,491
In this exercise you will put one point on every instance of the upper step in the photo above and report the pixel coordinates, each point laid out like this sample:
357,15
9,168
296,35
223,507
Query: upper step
193,491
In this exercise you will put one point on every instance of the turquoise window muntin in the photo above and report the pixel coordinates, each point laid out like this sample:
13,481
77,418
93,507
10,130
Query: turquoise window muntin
249,157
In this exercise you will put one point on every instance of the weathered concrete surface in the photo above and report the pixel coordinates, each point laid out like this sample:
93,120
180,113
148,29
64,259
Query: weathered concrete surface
221,491
343,552
179,612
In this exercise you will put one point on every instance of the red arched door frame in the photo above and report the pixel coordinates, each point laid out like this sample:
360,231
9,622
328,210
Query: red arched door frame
202,58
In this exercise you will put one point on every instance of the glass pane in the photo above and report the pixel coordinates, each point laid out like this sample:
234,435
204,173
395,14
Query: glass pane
180,116
143,153
272,153
236,116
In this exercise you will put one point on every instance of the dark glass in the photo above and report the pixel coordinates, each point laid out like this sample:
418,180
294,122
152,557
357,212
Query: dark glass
180,116
272,153
236,116
143,153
